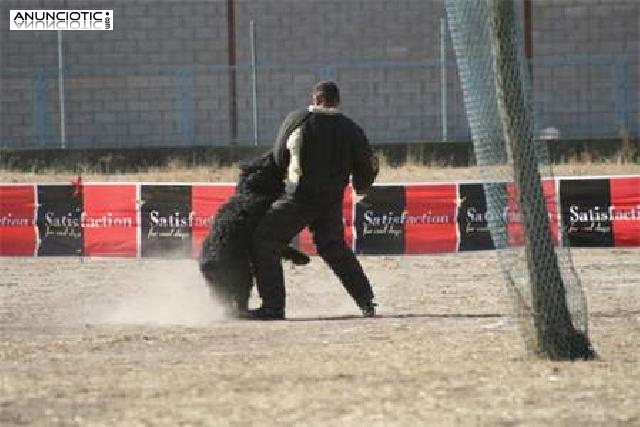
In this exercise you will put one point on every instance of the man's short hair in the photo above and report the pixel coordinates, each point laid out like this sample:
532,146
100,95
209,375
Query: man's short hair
327,93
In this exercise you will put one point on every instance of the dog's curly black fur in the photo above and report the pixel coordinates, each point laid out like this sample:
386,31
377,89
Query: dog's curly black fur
225,257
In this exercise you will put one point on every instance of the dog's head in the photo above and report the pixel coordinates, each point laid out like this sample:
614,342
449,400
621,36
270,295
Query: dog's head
261,176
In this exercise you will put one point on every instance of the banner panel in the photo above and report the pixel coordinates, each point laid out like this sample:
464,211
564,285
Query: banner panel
205,202
347,215
585,212
472,219
17,225
304,242
379,227
59,225
109,220
429,219
165,220
625,211
514,217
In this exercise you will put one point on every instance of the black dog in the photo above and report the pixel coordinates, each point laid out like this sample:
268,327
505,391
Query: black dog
225,258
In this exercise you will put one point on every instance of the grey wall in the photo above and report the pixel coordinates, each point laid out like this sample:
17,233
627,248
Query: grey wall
123,87
161,77
587,72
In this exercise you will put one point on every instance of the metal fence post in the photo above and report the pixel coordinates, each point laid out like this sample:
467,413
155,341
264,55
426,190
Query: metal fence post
61,94
185,77
232,71
40,103
254,81
443,78
621,85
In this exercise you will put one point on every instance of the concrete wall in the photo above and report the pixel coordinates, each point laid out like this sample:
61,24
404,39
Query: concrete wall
592,44
161,77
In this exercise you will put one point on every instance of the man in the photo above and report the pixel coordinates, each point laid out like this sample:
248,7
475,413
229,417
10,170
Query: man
317,149
225,260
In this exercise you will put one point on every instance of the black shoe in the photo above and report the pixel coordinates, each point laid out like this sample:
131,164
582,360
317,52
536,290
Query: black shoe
264,313
369,309
295,256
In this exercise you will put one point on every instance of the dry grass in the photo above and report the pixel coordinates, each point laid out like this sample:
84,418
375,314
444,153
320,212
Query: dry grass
178,172
168,174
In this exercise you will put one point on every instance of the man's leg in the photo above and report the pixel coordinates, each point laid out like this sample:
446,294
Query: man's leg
328,236
274,232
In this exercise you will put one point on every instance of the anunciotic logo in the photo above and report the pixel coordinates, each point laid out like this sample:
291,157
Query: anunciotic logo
37,20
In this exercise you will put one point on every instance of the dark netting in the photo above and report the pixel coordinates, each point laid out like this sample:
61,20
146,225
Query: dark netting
546,293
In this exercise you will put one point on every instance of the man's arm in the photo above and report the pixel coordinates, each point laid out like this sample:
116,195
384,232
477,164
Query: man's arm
280,152
365,163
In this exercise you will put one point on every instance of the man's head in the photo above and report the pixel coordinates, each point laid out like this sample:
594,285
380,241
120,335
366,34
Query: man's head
326,94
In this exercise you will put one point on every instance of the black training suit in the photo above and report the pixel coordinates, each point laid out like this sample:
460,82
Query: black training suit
333,148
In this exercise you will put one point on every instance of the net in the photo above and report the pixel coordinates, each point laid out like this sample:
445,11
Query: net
546,294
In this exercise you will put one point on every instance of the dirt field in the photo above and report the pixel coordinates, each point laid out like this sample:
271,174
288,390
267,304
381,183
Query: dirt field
139,342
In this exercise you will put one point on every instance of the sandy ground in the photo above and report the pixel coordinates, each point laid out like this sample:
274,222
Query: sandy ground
139,342
407,173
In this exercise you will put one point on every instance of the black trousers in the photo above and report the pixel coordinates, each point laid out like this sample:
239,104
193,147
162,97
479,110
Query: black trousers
285,219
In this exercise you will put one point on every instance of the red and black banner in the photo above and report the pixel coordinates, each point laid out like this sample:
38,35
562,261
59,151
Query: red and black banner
514,216
205,202
472,218
412,219
18,233
171,220
601,212
379,227
585,211
165,220
625,210
110,220
59,220
430,219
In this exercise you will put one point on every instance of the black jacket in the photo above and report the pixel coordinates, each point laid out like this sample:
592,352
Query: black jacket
333,148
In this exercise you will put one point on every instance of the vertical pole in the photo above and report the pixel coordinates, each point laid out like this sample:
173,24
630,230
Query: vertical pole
621,94
231,62
528,36
40,102
254,81
443,77
558,339
63,132
185,100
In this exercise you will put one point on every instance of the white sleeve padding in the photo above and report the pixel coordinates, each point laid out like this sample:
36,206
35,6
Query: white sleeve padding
294,144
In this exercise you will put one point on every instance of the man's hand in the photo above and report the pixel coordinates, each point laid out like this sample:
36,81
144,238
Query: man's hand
365,171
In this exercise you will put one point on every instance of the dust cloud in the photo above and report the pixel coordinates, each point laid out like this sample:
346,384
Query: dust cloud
166,292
